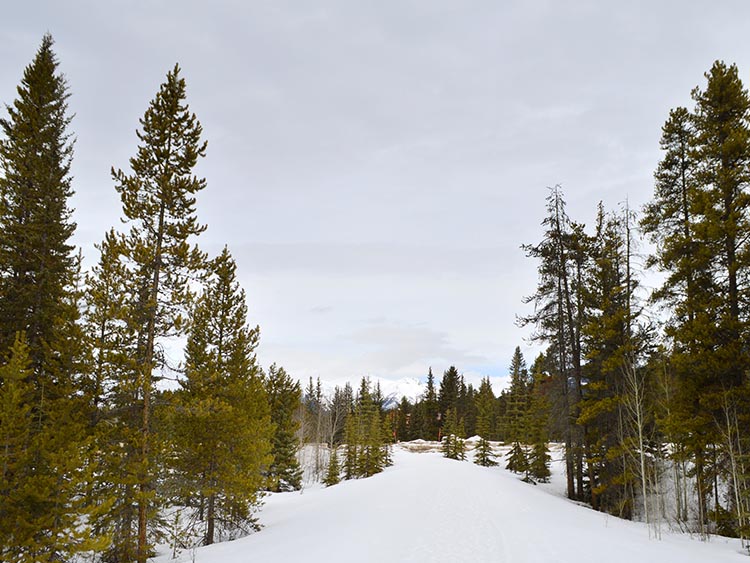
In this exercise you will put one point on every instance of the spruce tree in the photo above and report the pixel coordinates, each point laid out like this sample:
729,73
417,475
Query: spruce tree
404,414
607,339
559,312
222,422
485,400
333,473
430,409
700,220
37,263
518,461
158,199
538,420
39,273
516,414
450,387
352,453
113,392
284,396
386,435
44,515
453,443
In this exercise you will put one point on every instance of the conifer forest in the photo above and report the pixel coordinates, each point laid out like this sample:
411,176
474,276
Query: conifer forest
111,449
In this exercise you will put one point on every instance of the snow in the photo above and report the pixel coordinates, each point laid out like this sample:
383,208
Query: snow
430,509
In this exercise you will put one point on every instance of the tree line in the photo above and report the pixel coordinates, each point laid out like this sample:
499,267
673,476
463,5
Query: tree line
95,451
652,385
362,427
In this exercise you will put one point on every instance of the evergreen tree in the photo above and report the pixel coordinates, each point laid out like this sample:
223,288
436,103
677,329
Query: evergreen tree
373,461
39,273
367,435
387,439
485,407
333,473
222,424
538,462
43,516
113,393
700,221
558,316
608,344
284,396
453,443
430,410
518,461
538,416
404,413
517,399
352,439
517,406
722,148
449,390
158,200
37,263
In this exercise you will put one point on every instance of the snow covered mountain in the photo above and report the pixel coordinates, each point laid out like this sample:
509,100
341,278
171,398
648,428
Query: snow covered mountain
393,391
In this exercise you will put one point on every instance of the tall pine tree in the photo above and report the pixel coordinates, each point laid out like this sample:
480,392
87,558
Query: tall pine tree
158,198
39,300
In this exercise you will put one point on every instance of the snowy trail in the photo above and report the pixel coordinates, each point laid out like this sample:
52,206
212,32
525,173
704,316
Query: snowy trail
429,509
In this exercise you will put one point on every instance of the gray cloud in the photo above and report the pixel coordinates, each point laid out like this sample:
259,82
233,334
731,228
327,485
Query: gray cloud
382,159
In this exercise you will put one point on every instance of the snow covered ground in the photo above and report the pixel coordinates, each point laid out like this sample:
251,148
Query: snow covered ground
430,509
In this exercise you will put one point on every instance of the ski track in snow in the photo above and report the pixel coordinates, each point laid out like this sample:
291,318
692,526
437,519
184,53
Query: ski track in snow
430,509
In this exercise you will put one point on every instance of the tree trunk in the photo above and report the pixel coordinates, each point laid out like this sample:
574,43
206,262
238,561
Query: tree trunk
147,369
210,520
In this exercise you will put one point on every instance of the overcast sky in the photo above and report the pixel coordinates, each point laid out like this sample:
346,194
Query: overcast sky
375,166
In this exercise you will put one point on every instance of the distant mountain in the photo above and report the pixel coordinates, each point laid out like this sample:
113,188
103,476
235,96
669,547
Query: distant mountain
393,391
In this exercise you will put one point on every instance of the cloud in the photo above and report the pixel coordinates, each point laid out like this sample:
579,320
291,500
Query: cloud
321,309
395,348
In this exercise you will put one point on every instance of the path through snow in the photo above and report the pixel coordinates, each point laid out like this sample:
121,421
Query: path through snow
430,509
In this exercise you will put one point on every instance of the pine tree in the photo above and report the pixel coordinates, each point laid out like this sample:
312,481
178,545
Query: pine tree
333,473
538,462
404,414
113,394
352,453
700,221
517,404
558,316
37,263
518,461
450,387
39,273
373,460
387,439
222,423
538,417
722,148
430,409
453,443
44,515
158,200
284,395
483,454
607,343
517,399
